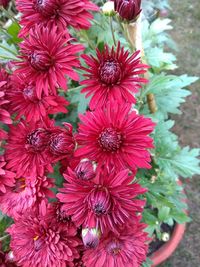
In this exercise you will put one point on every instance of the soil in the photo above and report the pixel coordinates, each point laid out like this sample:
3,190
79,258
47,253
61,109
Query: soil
186,21
156,243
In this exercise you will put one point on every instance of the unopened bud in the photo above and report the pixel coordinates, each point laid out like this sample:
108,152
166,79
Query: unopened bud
165,237
108,9
90,237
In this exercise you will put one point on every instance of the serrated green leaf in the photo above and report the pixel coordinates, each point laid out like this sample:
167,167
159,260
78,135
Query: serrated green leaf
163,213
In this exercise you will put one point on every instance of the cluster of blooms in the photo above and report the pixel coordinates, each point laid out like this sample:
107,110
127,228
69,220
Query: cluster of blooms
96,218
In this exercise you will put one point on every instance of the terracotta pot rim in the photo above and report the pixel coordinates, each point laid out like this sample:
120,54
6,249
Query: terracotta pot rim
165,251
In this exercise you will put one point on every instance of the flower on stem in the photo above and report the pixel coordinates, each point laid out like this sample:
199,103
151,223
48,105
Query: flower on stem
39,240
51,13
7,178
25,150
128,9
116,137
126,248
25,194
25,102
104,203
90,237
43,62
113,74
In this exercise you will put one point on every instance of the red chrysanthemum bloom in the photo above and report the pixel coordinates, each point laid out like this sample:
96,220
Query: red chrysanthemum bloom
39,240
4,114
26,149
60,13
128,10
4,3
105,202
85,170
115,136
128,248
112,75
47,57
61,143
25,102
7,178
25,194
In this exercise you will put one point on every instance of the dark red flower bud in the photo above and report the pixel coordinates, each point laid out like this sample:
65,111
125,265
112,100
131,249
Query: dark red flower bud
128,9
62,141
85,170
4,3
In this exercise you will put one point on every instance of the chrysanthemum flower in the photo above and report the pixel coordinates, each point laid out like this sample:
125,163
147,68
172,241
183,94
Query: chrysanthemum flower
7,178
115,136
127,248
85,170
61,142
25,194
128,10
105,203
25,102
39,240
60,13
112,75
4,114
47,57
25,151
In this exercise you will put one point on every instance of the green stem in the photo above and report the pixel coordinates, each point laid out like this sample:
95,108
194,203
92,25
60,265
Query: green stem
112,30
8,15
9,50
3,237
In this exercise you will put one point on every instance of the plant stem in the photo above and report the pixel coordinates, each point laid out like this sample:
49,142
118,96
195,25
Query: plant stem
112,30
135,37
3,237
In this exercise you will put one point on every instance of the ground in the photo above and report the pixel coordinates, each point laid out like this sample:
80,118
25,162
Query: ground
186,20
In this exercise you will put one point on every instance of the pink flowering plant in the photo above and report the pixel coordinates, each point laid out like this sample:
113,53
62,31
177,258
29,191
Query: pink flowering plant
88,165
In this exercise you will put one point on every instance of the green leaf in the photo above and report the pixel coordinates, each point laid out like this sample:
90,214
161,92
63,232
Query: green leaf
163,213
180,217
13,31
7,52
169,92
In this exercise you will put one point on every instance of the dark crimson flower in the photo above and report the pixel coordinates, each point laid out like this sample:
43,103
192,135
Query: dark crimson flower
43,61
128,9
115,136
4,114
105,203
39,240
25,151
51,13
61,142
112,75
127,248
25,102
85,170
25,194
4,3
90,237
7,178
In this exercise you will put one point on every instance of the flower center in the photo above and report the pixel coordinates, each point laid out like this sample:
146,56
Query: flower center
46,8
114,247
100,202
40,60
29,93
37,139
110,140
110,72
20,185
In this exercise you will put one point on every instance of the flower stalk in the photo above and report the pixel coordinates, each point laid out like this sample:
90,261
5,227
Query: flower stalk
135,38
